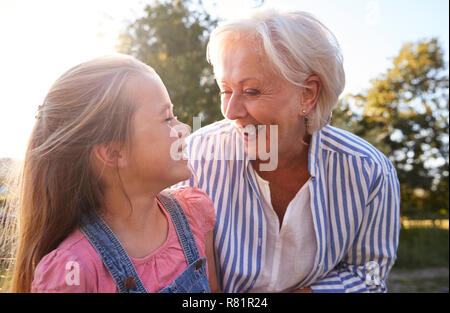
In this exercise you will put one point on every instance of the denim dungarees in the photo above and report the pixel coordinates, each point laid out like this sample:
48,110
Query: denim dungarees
116,260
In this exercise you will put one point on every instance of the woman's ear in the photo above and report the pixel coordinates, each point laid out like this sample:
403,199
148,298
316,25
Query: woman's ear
310,94
110,155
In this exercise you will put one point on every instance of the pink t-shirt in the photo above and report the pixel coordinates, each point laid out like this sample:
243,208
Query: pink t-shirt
75,266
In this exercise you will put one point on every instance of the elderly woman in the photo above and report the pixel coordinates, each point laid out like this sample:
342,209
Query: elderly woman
318,212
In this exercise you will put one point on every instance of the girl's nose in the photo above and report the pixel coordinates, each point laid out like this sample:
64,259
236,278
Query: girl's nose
182,130
188,129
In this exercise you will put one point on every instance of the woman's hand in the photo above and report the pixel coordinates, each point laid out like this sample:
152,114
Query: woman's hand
303,290
212,276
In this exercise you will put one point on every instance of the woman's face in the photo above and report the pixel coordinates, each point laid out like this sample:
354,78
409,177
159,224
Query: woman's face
156,145
252,95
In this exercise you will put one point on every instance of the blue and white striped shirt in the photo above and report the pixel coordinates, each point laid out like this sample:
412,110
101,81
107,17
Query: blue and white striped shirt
355,203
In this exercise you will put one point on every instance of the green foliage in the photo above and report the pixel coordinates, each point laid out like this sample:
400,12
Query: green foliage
172,39
405,115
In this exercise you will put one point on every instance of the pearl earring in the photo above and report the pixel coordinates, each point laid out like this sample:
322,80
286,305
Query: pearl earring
304,111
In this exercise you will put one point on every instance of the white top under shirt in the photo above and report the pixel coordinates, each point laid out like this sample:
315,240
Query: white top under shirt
291,250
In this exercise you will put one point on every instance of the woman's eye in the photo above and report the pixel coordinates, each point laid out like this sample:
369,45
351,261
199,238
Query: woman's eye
252,92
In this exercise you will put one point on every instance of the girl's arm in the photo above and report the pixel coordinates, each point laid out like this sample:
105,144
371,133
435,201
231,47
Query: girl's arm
212,276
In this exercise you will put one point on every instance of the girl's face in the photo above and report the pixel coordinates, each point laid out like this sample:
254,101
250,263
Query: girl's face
156,154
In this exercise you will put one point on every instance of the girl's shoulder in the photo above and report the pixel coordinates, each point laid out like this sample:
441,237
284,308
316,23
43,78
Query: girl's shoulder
197,206
71,267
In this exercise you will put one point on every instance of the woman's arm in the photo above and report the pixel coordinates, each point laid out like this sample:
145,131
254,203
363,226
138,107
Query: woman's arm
382,223
212,276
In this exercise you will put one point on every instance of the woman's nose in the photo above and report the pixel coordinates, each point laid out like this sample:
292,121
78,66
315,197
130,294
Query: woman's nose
234,108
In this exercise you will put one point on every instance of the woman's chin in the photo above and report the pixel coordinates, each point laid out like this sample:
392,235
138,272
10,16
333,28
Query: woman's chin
250,147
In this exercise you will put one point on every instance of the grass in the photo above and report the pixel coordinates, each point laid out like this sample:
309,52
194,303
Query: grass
5,280
422,261
428,280
423,247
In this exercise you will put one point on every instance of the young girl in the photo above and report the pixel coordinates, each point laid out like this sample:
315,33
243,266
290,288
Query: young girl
94,215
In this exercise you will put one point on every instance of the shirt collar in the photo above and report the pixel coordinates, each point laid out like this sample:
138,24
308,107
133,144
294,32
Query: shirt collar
313,152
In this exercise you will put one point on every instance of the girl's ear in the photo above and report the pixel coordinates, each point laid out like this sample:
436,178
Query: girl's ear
310,94
110,155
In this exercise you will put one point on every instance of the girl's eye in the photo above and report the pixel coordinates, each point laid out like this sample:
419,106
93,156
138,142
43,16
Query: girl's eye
225,92
171,118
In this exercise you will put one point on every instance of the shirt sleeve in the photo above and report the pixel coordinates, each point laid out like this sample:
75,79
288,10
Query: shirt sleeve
62,271
198,207
382,223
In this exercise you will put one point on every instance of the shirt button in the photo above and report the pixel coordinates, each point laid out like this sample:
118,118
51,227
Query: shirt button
198,265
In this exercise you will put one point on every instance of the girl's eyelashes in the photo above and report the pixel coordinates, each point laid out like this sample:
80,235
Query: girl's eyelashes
170,118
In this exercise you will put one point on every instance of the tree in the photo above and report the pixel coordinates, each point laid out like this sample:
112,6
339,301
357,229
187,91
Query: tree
405,115
171,37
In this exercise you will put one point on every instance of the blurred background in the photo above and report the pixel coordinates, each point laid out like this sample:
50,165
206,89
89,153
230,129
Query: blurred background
396,57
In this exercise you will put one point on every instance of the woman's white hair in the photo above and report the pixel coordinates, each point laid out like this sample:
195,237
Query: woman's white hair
298,46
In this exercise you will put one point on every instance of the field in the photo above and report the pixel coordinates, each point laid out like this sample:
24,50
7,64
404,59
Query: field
422,259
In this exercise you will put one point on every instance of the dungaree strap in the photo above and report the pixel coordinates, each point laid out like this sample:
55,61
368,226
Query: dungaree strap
113,255
181,224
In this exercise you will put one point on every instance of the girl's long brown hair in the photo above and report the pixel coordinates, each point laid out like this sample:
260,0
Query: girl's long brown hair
86,106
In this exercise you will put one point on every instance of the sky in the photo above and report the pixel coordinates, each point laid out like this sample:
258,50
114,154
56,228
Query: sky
39,40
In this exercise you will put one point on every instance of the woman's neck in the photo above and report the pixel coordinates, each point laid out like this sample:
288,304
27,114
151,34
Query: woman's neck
292,167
